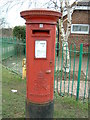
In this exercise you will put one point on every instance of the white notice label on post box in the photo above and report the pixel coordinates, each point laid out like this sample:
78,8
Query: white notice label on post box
40,49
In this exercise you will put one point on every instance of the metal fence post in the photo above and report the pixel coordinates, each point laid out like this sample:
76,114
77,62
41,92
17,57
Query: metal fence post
55,65
79,70
25,50
58,62
61,73
86,76
70,69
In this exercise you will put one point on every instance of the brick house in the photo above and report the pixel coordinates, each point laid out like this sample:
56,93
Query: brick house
80,28
6,32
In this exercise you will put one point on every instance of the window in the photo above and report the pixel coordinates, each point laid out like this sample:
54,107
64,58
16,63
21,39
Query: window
80,28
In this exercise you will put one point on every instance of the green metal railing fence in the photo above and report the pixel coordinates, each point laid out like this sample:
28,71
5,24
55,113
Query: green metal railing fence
13,52
75,82
8,47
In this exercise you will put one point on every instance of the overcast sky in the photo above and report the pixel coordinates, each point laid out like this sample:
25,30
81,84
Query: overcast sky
12,15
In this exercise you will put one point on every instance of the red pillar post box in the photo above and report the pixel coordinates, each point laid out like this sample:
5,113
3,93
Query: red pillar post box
40,57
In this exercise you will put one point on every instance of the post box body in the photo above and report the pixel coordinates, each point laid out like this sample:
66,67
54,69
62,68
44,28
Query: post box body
40,54
40,62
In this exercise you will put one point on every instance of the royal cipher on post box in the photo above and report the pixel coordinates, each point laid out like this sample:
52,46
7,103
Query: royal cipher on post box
40,57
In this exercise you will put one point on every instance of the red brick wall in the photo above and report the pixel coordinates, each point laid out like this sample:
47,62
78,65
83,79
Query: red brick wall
78,39
79,17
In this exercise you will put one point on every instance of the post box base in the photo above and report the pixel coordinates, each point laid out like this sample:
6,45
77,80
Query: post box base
39,110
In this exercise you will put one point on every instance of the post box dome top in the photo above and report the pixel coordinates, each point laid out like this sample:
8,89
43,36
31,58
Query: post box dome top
42,14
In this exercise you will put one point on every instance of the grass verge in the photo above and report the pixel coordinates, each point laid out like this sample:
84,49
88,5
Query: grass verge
14,103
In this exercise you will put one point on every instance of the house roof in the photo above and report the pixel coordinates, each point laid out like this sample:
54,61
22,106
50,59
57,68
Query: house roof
83,3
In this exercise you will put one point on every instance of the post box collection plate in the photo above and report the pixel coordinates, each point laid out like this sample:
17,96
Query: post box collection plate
40,48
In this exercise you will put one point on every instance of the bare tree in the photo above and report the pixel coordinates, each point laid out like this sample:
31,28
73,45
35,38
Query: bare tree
3,23
65,35
65,5
59,5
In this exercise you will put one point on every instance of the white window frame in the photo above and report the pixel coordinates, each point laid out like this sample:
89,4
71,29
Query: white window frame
80,32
